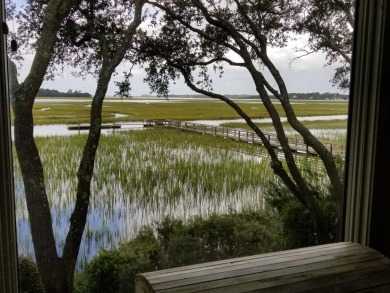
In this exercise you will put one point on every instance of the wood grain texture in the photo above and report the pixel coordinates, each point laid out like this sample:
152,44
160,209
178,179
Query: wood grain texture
337,267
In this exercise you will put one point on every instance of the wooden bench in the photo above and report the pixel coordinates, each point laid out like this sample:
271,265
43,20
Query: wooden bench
337,267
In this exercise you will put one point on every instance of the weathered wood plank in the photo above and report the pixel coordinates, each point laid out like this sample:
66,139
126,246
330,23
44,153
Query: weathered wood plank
346,245
256,265
369,278
269,276
314,280
378,289
339,267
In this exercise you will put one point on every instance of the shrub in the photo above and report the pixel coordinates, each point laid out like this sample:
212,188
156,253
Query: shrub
115,270
218,237
176,243
297,227
29,278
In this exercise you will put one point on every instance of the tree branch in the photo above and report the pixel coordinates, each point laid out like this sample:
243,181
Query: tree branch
276,164
190,27
86,167
307,53
208,62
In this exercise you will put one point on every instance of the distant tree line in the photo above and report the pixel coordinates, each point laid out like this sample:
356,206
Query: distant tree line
318,96
299,96
55,93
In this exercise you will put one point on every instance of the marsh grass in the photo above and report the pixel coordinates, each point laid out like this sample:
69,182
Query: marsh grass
71,112
141,177
318,124
329,131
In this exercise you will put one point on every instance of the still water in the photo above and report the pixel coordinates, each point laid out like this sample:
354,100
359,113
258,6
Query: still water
137,183
114,216
62,129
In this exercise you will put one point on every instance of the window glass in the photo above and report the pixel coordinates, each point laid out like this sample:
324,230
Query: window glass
151,136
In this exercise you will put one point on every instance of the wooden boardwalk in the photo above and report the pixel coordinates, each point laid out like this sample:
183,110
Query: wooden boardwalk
241,135
88,126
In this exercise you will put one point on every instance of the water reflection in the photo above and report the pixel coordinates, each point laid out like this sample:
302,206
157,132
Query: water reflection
62,130
138,183
120,206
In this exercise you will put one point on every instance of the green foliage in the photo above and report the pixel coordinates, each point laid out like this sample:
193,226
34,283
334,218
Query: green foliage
328,24
114,271
176,243
124,86
318,96
218,237
69,93
297,227
29,279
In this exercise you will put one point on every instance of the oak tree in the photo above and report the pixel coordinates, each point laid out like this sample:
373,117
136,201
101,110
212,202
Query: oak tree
196,37
329,25
90,35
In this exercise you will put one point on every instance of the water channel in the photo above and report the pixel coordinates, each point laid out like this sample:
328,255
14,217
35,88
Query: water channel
62,129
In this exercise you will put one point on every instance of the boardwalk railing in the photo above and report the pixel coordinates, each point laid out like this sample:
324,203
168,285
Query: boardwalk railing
241,135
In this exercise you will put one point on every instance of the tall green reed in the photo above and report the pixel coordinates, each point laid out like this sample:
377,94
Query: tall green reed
141,177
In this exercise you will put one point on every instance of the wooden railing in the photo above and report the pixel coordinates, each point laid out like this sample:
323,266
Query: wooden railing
241,135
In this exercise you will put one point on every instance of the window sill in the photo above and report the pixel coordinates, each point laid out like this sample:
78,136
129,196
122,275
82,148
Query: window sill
337,267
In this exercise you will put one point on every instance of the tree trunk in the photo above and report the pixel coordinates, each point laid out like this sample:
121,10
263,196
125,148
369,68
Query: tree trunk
57,273
36,199
253,50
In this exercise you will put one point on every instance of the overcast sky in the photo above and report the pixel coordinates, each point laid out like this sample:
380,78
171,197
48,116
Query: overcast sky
306,74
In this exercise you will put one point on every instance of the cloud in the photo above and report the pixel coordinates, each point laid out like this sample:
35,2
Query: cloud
307,74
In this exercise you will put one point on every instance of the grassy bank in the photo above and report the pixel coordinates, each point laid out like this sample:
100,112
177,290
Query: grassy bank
72,112
328,131
318,124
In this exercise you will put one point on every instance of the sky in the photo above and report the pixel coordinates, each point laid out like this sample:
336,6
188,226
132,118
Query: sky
307,74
